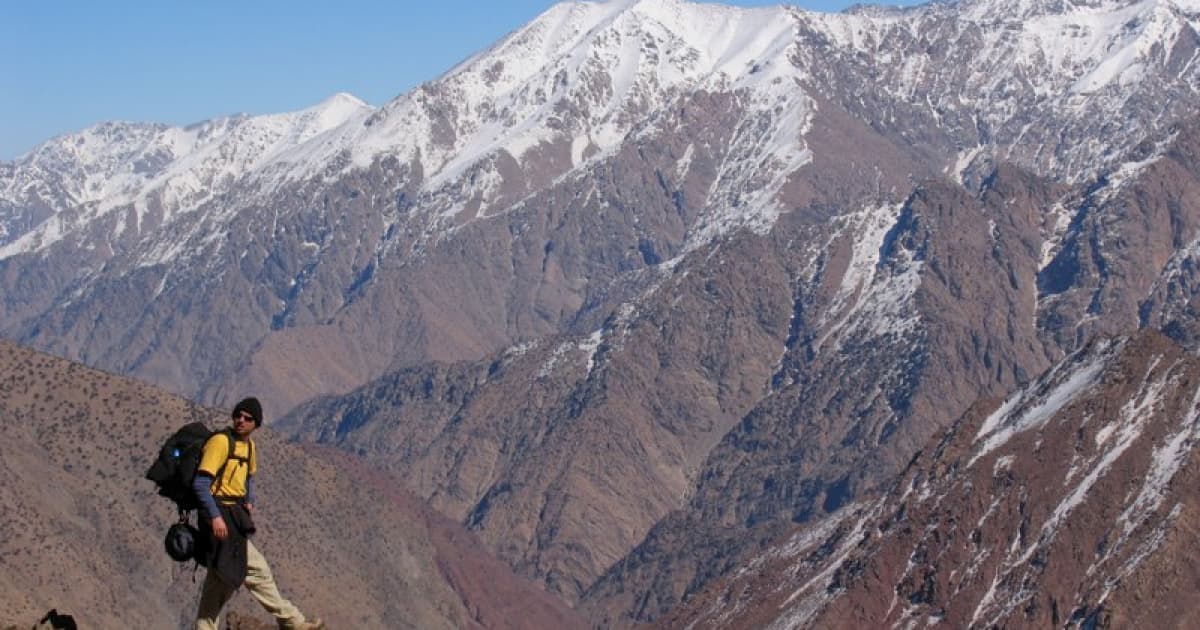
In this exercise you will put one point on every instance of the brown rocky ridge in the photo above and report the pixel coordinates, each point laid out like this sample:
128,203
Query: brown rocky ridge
1070,504
83,530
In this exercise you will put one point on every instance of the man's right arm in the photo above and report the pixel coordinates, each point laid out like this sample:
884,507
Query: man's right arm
202,486
216,451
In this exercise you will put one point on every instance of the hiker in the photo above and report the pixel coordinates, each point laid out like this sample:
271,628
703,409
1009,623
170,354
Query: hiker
224,486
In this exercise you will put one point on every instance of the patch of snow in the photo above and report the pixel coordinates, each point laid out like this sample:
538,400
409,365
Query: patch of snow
589,347
685,162
1041,400
1148,546
1130,425
1003,464
964,160
849,542
579,144
1132,419
555,357
867,292
988,597
520,349
1167,459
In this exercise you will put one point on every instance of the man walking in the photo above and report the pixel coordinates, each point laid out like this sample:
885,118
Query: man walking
224,485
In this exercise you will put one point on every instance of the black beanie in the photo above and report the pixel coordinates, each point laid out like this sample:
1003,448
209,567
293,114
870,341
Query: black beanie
251,406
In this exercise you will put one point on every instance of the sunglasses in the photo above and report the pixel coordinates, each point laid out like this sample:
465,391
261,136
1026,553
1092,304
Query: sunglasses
244,416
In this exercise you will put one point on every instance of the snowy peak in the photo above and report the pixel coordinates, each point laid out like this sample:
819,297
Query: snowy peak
995,78
117,160
115,164
294,129
1034,83
1019,9
580,76
576,82
1111,42
712,34
603,59
1034,40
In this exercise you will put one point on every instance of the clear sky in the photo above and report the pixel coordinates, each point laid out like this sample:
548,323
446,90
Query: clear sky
68,64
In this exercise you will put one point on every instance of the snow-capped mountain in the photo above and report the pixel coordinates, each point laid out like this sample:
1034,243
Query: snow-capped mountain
168,169
577,81
568,88
1006,78
698,269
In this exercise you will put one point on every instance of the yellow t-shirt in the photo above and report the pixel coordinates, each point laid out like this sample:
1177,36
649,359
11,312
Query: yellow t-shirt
242,464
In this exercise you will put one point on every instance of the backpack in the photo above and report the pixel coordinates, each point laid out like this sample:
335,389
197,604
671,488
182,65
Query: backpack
175,468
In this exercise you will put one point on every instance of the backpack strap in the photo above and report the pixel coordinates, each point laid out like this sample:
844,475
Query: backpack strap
231,438
228,456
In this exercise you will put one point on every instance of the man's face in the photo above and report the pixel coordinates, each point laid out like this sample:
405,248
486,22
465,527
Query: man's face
243,424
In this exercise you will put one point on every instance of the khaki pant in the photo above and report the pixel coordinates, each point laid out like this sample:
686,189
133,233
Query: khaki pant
261,585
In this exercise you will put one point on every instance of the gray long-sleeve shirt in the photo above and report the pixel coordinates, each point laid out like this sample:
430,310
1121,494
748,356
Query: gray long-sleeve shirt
202,486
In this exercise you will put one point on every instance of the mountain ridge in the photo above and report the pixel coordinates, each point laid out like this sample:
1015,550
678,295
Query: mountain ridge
499,88
739,310
84,528
995,524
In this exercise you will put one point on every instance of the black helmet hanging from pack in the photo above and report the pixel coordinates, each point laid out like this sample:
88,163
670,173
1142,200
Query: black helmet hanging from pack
181,542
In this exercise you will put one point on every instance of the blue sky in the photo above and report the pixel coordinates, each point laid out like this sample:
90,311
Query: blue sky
65,65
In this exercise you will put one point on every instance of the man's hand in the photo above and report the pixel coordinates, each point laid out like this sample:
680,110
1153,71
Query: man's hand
249,508
220,532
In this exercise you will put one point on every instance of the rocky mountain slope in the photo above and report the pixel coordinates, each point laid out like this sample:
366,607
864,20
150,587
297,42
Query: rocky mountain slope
814,443
648,283
1070,504
83,530
716,412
